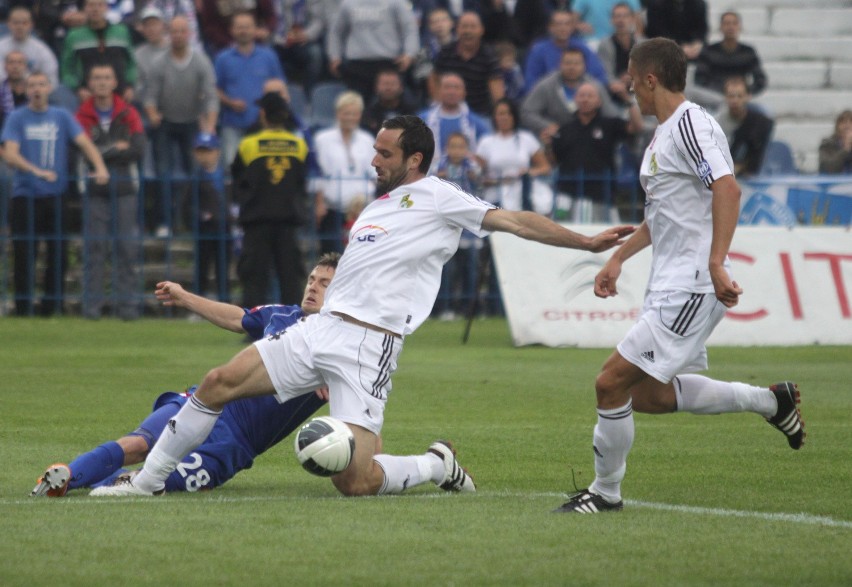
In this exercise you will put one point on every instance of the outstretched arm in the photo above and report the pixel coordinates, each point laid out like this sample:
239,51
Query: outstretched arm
535,227
223,315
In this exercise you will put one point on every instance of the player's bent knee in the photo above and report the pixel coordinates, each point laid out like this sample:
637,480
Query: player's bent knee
218,387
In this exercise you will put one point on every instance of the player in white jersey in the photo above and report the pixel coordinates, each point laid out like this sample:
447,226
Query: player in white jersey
691,211
384,287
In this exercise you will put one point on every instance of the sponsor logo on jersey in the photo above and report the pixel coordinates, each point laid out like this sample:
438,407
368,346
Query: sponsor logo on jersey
648,356
653,168
406,201
704,170
369,233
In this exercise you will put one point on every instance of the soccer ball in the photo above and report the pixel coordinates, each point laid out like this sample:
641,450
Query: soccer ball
324,446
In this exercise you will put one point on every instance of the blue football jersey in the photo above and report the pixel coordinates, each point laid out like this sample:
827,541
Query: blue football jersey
246,428
268,320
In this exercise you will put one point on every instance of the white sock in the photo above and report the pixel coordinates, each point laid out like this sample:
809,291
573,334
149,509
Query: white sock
402,473
612,441
190,427
697,394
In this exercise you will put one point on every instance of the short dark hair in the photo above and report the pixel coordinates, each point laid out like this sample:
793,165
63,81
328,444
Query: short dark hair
458,135
276,110
622,5
573,51
736,80
101,65
730,13
415,137
329,260
663,58
243,12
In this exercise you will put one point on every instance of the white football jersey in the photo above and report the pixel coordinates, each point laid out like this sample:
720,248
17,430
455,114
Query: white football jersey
390,272
689,152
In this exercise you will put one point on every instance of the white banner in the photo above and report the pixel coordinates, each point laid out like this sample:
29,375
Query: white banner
797,290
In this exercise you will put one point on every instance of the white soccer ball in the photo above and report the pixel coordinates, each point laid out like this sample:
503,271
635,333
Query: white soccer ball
324,446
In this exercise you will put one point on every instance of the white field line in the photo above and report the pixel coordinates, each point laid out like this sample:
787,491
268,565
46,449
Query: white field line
800,518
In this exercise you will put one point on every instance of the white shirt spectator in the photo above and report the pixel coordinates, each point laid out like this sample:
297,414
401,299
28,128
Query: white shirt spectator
507,158
346,168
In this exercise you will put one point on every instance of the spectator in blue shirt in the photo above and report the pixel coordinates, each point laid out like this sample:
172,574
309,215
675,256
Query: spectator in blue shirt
545,55
36,140
241,71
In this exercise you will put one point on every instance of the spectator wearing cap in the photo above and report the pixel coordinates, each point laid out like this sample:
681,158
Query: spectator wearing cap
241,71
156,44
98,41
180,99
207,216
270,186
172,8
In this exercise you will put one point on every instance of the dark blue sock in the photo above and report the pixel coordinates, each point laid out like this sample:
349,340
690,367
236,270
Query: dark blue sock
97,464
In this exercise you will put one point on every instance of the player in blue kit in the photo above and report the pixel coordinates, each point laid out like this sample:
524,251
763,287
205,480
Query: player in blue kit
247,428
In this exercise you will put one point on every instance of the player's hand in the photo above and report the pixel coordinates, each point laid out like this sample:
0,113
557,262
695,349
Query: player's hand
728,292
170,293
606,279
237,105
322,393
610,237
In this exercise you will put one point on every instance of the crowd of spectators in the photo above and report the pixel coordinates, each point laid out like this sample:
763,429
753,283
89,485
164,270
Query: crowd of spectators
513,89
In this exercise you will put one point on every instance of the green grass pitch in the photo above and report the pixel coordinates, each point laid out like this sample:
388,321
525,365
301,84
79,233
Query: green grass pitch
714,500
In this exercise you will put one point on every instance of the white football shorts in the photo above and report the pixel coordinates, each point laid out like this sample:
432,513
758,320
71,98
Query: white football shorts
355,363
668,339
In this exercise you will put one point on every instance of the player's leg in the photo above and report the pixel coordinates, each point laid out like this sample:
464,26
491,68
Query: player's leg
363,476
381,474
681,351
244,376
102,464
358,368
614,431
612,437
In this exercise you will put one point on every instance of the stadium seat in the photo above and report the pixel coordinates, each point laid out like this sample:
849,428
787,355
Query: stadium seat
805,21
840,76
298,101
775,48
796,75
323,97
804,104
778,160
